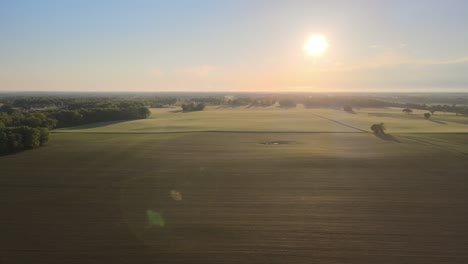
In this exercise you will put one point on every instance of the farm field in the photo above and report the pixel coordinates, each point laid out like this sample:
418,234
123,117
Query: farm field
121,196
234,132
449,141
398,122
282,120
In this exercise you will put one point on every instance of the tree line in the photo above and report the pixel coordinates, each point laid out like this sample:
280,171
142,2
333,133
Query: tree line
15,139
72,103
191,107
67,118
21,131
21,128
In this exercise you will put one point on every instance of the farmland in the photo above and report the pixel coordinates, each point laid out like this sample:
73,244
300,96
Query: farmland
296,186
282,120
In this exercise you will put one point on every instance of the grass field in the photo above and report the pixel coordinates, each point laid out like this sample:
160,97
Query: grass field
282,120
222,197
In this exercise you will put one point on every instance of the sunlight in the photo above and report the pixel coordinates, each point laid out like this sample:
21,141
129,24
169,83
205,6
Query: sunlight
316,45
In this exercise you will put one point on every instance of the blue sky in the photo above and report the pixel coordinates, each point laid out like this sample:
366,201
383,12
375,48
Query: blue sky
233,45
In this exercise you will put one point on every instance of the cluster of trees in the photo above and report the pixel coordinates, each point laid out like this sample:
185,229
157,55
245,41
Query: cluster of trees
30,119
431,103
15,139
241,101
253,102
348,108
190,107
67,118
407,111
287,103
23,128
29,103
263,102
160,102
209,100
433,99
79,102
459,110
338,101
75,113
20,131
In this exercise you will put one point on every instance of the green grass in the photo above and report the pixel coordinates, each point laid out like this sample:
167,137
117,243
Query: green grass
280,120
329,198
126,193
396,121
240,119
449,141
450,118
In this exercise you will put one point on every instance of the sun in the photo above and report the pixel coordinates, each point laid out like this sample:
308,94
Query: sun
316,45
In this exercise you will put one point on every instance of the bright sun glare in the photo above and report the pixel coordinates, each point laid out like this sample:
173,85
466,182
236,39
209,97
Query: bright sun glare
316,45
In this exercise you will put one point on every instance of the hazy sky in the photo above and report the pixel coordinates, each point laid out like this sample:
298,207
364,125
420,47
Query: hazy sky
236,45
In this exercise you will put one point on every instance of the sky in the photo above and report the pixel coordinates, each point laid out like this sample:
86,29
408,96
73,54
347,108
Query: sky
238,45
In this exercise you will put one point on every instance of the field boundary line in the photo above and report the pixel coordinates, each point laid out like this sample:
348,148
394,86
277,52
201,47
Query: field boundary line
258,132
429,143
341,123
211,131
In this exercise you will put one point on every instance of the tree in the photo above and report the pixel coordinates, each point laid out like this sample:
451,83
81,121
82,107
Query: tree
3,141
44,135
427,115
31,136
378,129
287,103
240,101
7,109
193,107
15,139
5,119
144,112
348,108
407,111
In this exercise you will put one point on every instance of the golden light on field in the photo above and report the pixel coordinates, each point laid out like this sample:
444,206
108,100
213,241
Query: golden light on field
316,45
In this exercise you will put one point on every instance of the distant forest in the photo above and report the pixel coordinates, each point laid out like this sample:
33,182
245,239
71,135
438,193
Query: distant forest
25,119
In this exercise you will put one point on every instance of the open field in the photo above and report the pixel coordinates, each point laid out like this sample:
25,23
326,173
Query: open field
448,141
233,132
321,198
283,120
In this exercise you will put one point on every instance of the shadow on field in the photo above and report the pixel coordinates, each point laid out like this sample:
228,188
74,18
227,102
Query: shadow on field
96,125
438,122
182,112
387,137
